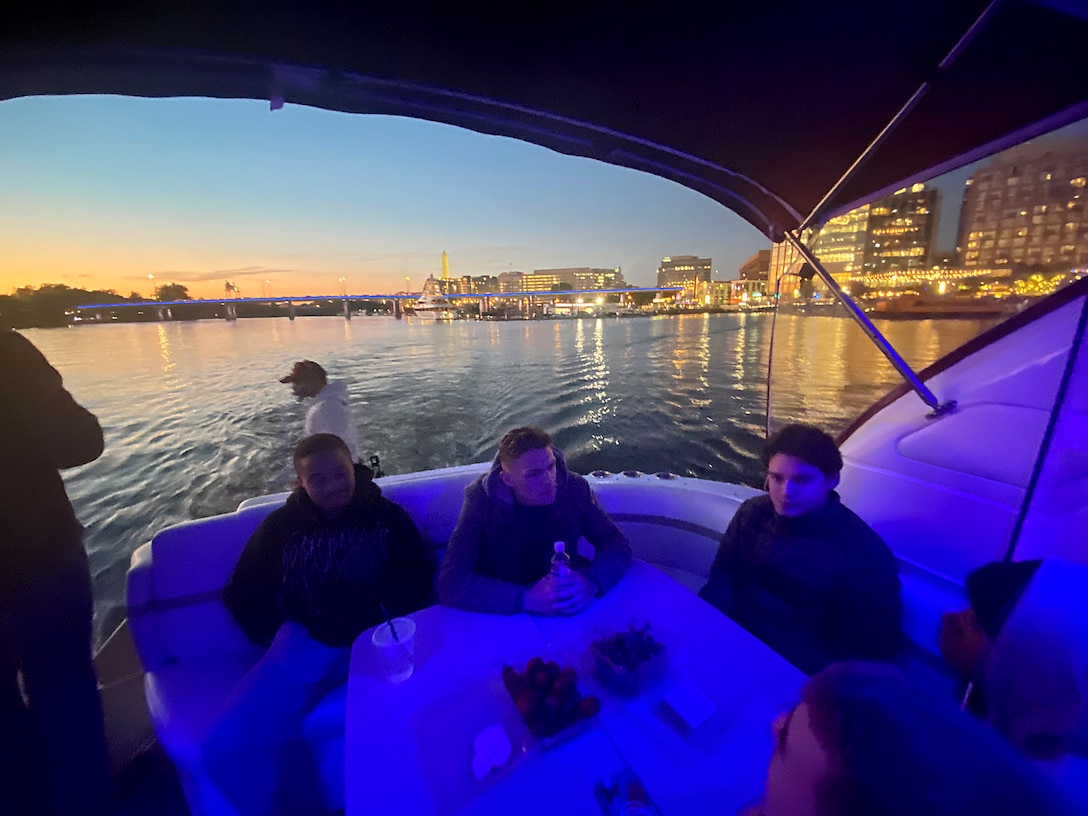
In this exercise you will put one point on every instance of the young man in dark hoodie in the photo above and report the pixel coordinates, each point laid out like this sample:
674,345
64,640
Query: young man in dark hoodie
799,570
331,555
312,577
499,555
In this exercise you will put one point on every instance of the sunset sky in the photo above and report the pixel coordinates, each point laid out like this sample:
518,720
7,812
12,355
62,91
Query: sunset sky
101,192
104,191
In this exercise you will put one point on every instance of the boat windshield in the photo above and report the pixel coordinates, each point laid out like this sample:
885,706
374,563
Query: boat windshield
930,266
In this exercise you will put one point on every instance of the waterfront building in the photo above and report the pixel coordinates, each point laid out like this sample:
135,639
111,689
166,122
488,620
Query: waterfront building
752,284
840,243
689,271
901,230
1027,207
511,282
540,281
578,277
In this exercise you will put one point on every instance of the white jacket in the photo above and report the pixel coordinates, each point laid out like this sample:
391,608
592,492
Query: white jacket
331,413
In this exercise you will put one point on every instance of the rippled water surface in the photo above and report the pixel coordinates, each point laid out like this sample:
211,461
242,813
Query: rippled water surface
196,420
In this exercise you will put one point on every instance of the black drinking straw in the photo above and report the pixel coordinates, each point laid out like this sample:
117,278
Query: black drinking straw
389,620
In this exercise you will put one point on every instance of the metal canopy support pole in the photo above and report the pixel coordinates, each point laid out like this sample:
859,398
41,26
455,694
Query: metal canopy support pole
905,371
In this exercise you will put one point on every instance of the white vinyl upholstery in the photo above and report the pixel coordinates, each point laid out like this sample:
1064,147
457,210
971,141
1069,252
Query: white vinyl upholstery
194,654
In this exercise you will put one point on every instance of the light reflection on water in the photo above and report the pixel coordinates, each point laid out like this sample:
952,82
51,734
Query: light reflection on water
196,420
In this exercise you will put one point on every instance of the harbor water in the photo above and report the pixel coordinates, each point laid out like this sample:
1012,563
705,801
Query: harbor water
196,420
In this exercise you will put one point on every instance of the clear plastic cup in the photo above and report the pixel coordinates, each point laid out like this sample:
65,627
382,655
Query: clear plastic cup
397,655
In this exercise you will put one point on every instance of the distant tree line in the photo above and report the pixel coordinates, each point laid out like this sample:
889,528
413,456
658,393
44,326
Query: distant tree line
53,304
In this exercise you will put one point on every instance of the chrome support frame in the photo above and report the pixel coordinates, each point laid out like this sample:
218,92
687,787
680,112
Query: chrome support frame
817,213
901,365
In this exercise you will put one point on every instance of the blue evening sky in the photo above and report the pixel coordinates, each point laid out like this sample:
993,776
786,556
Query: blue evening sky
106,191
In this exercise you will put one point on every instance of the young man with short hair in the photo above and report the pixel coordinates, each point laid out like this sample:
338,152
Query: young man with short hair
799,570
312,577
499,555
331,555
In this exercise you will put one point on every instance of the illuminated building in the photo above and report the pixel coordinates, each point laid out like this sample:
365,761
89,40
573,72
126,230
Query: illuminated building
689,271
1027,207
578,277
511,282
546,281
901,230
840,243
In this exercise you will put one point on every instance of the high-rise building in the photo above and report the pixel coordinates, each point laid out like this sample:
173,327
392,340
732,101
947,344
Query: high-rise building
689,271
901,230
840,243
1027,207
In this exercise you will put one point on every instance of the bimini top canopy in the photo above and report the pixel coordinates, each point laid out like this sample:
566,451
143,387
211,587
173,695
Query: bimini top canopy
762,106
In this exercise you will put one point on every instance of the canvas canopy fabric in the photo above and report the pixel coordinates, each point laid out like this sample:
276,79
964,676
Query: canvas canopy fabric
761,106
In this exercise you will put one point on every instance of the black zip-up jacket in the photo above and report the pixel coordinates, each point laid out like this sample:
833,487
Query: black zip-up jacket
817,588
331,575
42,429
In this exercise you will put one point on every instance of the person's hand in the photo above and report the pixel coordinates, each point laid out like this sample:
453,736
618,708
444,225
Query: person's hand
560,596
573,593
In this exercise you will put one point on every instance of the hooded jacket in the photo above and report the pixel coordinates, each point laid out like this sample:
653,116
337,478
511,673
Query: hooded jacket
331,413
816,588
1036,677
42,429
499,549
331,575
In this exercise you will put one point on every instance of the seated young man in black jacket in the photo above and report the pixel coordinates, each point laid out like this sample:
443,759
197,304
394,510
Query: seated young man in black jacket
312,577
799,570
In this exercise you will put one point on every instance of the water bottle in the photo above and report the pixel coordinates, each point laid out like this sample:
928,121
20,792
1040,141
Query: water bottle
560,561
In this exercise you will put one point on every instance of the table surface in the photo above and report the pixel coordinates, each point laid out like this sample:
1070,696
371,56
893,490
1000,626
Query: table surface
408,746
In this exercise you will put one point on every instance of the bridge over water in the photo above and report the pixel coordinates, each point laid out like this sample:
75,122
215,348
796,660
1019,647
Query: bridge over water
527,300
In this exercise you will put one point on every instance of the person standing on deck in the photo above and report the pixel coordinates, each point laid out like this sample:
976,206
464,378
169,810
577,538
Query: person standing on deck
52,743
499,555
799,570
331,410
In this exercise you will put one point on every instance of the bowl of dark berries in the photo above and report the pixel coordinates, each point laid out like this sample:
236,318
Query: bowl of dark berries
629,661
548,699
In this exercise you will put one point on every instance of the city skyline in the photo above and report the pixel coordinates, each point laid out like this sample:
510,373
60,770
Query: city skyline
128,194
103,192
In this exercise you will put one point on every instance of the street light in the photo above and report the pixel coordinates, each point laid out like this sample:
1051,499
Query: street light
343,288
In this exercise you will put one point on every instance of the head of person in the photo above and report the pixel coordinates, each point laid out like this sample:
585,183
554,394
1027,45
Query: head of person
1036,675
528,465
864,741
967,635
802,465
325,471
307,378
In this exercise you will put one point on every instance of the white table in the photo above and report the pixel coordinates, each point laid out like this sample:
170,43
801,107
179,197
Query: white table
408,746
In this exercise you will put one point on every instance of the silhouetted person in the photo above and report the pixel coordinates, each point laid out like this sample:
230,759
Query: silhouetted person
864,741
52,744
